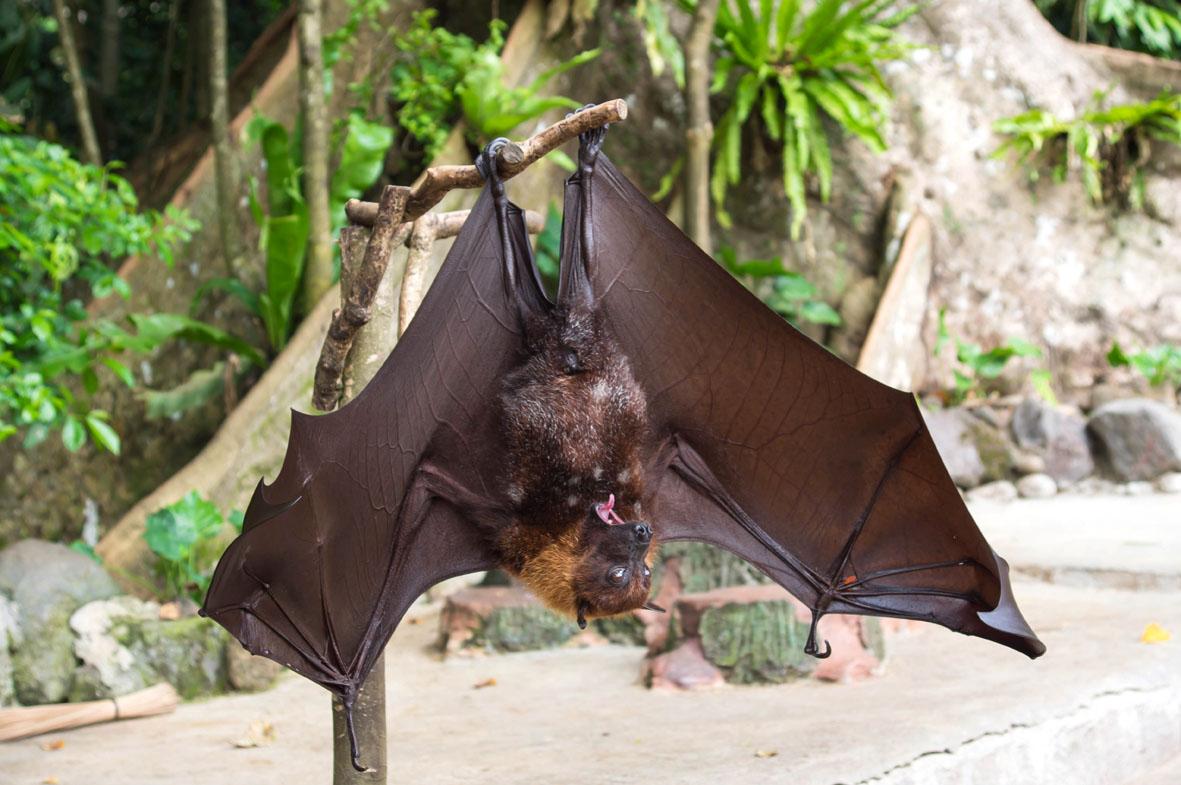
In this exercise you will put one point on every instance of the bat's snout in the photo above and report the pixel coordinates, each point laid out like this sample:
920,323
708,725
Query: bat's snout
642,533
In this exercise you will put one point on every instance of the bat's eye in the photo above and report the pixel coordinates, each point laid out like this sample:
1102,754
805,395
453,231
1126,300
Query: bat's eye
617,575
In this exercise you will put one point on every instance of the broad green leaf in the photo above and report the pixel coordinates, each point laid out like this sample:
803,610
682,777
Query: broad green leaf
154,329
287,241
362,159
102,433
73,434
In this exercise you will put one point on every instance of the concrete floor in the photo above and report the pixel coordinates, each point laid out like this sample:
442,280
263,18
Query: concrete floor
1101,708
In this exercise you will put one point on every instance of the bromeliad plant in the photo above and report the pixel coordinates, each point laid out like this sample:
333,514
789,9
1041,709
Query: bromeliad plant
788,293
1109,147
790,67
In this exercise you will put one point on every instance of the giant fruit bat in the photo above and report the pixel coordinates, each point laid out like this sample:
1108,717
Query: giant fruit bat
657,399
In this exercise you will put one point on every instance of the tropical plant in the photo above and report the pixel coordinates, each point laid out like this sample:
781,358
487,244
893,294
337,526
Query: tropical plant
1160,365
63,224
185,536
975,366
281,214
1151,26
788,68
1109,147
439,75
788,293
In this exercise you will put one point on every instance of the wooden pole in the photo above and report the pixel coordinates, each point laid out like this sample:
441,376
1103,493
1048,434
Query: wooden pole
317,274
372,344
225,167
65,30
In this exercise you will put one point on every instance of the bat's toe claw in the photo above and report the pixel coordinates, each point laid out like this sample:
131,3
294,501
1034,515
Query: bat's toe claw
812,649
486,160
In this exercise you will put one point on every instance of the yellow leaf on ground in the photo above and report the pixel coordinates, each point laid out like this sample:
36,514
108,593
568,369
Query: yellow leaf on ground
1154,633
766,753
259,734
489,682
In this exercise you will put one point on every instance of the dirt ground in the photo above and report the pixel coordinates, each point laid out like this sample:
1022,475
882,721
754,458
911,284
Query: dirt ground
1100,704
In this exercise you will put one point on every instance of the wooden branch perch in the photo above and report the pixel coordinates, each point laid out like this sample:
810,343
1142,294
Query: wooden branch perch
355,301
433,184
393,221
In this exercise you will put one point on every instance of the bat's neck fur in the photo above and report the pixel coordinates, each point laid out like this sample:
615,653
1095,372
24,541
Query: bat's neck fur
575,421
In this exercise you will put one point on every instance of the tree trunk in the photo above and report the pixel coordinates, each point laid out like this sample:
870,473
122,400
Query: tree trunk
65,24
225,168
317,274
108,72
699,133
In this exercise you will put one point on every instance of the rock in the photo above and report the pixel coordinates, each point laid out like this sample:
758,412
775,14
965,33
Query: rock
10,637
48,582
1138,488
1058,435
993,448
248,672
1139,439
190,654
1094,486
501,619
108,667
684,668
1037,486
124,646
1106,392
702,567
1028,463
999,491
950,428
756,634
1169,483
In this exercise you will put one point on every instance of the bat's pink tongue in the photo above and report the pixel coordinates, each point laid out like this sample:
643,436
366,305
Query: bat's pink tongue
607,514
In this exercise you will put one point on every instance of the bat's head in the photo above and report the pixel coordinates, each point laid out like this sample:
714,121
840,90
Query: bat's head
614,573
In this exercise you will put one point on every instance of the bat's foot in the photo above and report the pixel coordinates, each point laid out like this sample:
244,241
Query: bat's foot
590,142
486,160
810,646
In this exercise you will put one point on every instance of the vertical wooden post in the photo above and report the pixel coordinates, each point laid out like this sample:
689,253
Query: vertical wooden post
362,255
699,134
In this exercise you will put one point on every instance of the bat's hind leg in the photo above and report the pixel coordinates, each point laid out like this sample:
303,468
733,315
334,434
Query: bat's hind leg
522,280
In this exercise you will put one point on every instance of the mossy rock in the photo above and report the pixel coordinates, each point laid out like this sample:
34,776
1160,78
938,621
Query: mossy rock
626,629
187,653
993,449
524,628
705,567
756,643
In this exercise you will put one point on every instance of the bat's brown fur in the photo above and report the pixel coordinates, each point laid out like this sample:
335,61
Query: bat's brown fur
576,424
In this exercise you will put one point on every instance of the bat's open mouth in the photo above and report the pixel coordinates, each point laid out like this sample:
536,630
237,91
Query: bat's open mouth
607,514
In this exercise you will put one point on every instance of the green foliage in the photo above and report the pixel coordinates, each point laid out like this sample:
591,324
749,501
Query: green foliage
788,293
664,51
1160,365
63,224
491,109
439,75
1109,146
185,538
32,71
977,366
1151,26
787,69
549,248
281,214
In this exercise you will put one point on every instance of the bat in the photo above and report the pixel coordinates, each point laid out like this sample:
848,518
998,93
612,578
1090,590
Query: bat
656,400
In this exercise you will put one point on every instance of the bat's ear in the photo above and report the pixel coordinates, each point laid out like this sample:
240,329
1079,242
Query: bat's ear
583,609
651,606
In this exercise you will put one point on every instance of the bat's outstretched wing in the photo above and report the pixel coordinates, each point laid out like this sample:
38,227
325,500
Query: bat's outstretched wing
773,448
387,496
